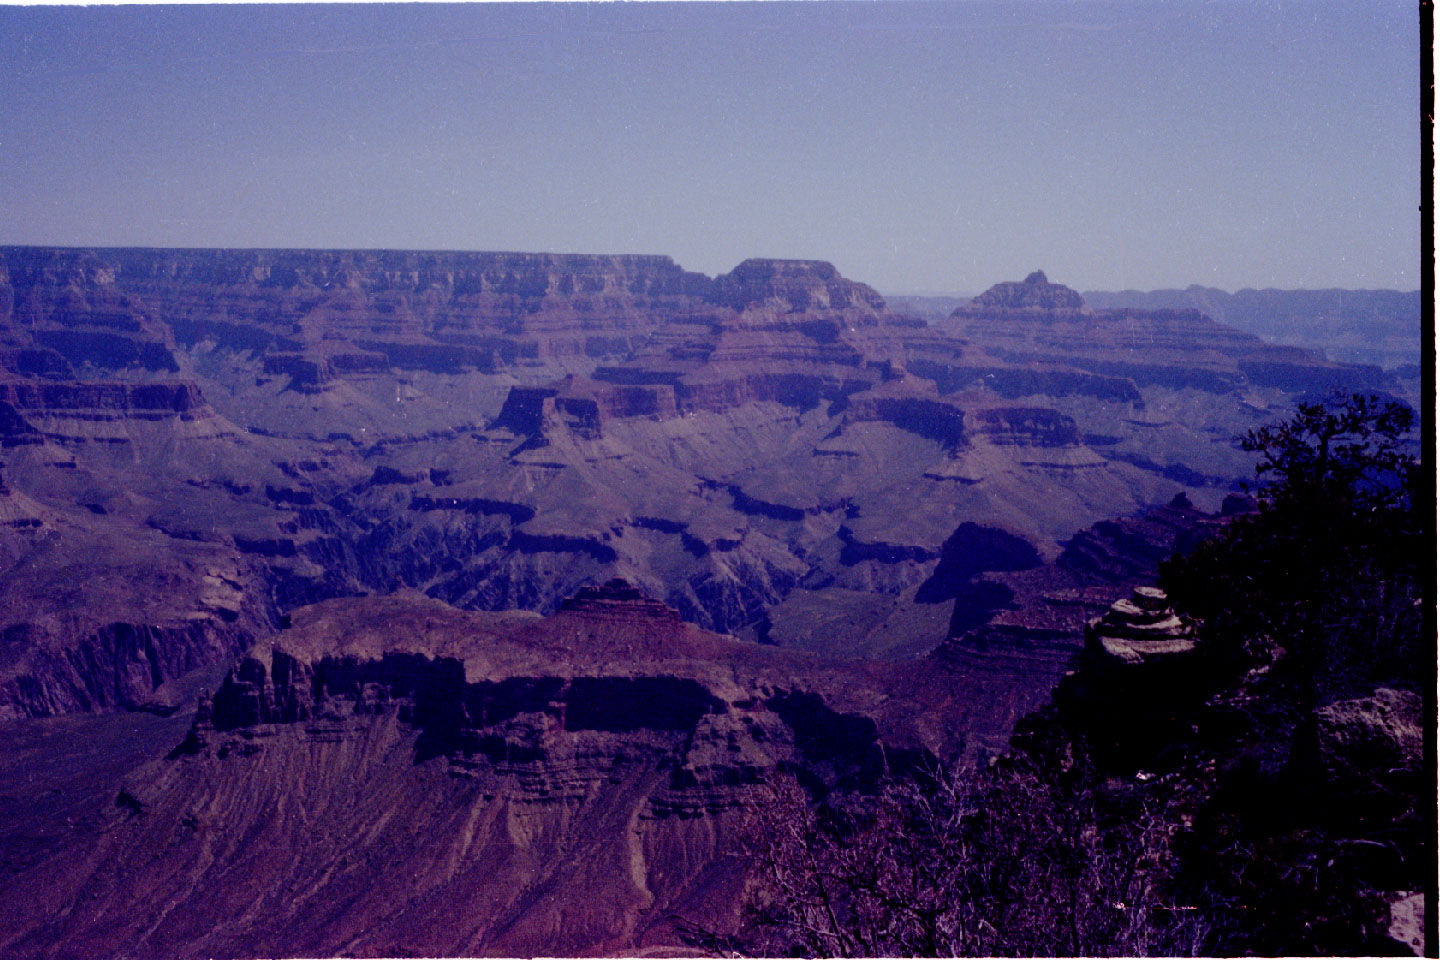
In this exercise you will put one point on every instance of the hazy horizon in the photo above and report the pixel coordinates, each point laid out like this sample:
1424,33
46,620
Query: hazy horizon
923,148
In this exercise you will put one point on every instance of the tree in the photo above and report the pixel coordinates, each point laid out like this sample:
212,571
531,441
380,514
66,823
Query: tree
1315,597
1349,454
1323,578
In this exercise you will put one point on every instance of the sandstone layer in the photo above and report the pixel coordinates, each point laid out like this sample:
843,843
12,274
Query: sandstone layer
197,442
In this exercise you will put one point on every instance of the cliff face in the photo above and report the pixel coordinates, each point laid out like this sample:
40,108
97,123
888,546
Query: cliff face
311,313
345,502
97,617
499,430
1035,292
793,286
70,412
393,777
75,315
1020,625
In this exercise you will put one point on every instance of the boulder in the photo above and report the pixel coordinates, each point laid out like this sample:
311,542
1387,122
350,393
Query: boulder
1370,737
1407,920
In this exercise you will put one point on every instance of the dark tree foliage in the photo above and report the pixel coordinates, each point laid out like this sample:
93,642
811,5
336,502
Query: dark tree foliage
1351,451
1326,573
1316,597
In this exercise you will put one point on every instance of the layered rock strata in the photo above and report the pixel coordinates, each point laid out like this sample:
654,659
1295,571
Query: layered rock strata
1023,627
498,430
1036,321
1140,630
395,777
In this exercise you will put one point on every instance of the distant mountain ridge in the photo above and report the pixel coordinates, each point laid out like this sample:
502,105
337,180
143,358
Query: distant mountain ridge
1381,327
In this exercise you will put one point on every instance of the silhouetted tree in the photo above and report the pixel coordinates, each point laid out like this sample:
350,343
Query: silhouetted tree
1325,573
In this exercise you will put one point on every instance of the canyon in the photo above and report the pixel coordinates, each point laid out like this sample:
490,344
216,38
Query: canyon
197,442
388,602
1377,327
503,783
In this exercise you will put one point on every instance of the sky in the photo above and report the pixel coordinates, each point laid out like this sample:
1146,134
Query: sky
920,147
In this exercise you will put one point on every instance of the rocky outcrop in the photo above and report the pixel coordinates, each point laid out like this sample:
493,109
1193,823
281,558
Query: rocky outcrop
582,406
792,286
1037,322
73,310
168,398
1380,327
464,784
1024,380
932,418
1369,740
1131,548
437,312
488,671
618,598
1301,829
974,549
32,411
1021,624
1025,426
1141,631
858,551
100,612
117,666
1035,292
497,430
305,373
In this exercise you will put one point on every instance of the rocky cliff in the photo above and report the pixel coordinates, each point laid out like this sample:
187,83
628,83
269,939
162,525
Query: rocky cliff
498,430
395,777
1035,292
793,286
1021,625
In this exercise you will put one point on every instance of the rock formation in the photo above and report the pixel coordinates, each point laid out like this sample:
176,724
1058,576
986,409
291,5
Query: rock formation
1021,625
393,776
1380,327
1140,630
1035,292
498,430
1140,671
1040,322
510,576
1369,740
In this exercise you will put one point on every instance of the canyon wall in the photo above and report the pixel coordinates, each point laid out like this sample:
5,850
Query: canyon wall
499,430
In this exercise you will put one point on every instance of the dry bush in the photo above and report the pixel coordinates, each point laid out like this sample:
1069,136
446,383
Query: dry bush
1014,860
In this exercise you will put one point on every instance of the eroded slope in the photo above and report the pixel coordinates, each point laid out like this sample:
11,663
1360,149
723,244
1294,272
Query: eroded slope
392,777
196,443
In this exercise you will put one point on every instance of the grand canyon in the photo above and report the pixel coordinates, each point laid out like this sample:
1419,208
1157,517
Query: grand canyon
405,603
717,480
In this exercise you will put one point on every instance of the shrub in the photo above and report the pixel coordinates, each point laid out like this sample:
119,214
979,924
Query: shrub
1326,572
1021,858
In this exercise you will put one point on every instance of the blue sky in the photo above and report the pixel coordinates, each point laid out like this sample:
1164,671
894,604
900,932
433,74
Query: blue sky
919,146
